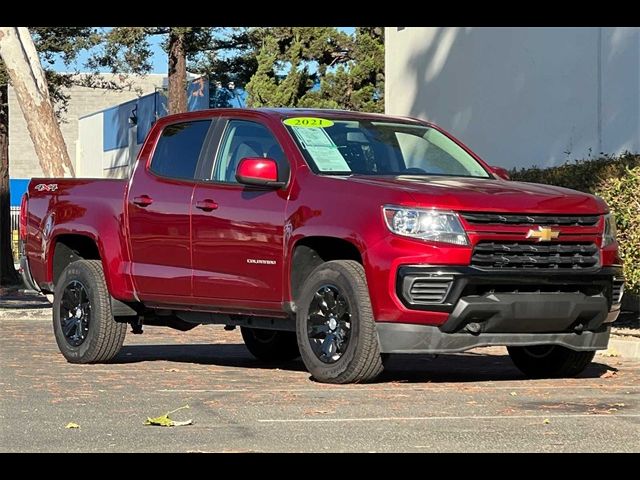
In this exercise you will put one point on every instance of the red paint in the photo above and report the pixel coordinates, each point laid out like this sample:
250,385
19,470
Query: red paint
227,247
23,218
501,172
256,171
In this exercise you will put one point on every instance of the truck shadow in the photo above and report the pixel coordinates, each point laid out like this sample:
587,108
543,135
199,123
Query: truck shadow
463,367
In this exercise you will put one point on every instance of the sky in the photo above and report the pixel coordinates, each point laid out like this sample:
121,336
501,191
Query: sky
158,60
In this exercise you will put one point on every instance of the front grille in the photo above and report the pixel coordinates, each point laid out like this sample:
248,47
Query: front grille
425,290
521,255
617,290
521,219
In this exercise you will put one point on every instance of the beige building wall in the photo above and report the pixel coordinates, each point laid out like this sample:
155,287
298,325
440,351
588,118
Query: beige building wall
82,101
520,96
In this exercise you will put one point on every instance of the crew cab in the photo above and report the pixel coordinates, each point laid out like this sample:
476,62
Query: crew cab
336,236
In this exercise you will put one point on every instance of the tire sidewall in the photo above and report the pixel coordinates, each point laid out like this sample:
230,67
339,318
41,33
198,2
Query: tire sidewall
72,273
330,276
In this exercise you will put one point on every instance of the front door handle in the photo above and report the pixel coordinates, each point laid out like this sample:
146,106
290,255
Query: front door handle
206,205
143,200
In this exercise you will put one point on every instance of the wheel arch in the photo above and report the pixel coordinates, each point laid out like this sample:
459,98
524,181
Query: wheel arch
69,247
307,253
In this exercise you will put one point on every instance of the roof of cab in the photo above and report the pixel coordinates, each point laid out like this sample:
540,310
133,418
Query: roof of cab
293,112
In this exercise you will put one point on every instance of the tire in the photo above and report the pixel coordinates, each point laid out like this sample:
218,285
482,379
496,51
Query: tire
337,339
550,361
270,345
94,336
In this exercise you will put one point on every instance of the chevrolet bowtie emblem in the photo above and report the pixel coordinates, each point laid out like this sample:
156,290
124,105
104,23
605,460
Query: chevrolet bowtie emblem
543,234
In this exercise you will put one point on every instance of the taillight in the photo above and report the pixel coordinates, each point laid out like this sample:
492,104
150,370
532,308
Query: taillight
23,217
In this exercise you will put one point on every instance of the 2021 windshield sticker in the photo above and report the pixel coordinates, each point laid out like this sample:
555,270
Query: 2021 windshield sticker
322,149
308,122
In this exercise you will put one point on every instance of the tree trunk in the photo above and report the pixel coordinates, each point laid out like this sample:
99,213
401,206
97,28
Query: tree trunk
28,80
177,73
8,274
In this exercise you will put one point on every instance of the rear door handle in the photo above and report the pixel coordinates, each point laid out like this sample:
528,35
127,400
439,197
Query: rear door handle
143,200
206,205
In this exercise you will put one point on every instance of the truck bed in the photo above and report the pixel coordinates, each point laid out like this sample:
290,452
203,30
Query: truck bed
59,206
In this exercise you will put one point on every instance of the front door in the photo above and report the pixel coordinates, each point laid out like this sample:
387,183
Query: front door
237,230
159,208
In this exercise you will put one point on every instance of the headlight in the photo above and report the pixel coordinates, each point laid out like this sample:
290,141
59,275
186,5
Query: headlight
432,225
609,235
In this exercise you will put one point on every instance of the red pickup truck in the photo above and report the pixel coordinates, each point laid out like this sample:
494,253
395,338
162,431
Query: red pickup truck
336,236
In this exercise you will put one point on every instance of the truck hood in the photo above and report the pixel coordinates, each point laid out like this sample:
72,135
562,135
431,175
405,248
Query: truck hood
476,194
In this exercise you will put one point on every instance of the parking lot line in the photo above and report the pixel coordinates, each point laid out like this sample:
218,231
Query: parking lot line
463,417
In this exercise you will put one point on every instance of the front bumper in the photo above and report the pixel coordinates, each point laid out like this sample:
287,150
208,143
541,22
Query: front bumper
426,339
518,301
485,308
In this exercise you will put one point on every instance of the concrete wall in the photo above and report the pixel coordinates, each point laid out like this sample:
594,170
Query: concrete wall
83,100
520,96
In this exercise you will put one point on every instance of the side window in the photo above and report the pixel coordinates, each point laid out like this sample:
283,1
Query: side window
178,149
246,139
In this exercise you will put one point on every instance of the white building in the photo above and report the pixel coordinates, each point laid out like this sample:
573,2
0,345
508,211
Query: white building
24,162
520,96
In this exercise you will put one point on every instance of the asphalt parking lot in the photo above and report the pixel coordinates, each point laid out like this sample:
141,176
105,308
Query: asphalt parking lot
462,403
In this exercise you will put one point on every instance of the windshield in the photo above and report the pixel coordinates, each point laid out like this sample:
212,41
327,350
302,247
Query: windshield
365,147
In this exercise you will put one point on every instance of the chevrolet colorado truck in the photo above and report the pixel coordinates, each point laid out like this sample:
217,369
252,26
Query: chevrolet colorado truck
336,236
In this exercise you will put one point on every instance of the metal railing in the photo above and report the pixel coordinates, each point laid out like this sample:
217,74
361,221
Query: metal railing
15,226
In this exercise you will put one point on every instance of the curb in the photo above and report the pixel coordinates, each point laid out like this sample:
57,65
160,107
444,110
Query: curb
623,346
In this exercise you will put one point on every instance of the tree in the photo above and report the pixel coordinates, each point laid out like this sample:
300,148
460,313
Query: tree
30,84
50,42
358,84
319,67
127,49
8,274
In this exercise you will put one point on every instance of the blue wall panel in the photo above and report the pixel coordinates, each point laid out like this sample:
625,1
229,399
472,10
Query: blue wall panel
115,126
17,187
198,95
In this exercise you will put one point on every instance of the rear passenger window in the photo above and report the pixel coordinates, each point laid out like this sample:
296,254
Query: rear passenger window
178,149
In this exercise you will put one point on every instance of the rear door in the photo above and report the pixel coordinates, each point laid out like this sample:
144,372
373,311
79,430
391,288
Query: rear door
237,238
159,208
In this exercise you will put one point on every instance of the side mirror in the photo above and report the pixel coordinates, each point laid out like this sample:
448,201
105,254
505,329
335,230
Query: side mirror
258,171
501,172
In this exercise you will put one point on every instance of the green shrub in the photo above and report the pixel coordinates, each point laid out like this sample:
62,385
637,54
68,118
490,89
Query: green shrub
617,181
623,196
586,175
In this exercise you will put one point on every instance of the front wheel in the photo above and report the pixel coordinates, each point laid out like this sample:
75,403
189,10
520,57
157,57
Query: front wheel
83,323
335,325
550,361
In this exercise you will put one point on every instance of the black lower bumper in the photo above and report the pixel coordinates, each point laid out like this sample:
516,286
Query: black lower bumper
480,301
424,339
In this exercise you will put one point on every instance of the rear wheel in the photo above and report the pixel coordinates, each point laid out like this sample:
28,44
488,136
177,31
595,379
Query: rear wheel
270,345
335,326
550,361
83,324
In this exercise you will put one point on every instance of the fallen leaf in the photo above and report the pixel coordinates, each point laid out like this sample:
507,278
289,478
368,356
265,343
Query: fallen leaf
546,421
609,373
618,404
166,421
513,394
610,352
72,425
